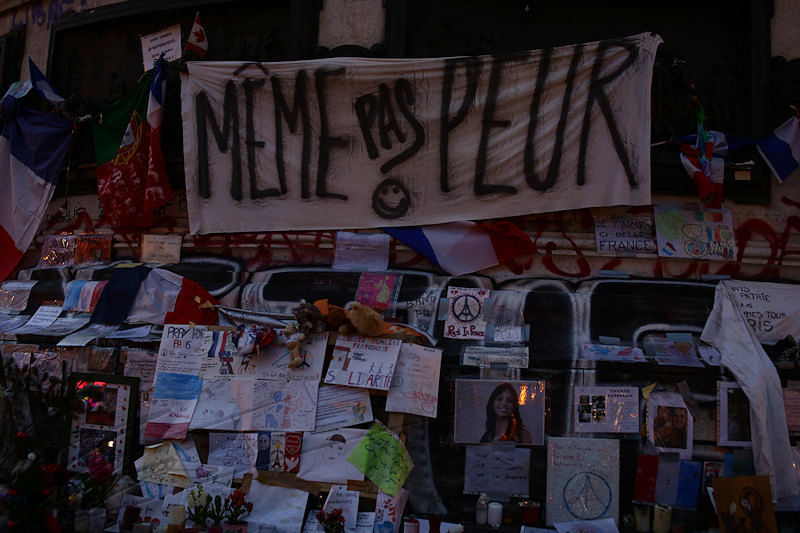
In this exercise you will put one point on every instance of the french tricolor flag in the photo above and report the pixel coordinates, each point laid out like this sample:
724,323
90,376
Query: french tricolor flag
465,247
781,148
33,149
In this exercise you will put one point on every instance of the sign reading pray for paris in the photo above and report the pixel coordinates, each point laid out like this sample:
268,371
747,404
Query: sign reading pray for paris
360,143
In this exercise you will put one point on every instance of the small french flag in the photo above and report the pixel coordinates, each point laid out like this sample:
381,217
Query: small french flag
464,247
781,148
43,86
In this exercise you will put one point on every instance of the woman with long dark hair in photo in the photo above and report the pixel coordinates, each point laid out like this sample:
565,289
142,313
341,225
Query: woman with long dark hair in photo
503,421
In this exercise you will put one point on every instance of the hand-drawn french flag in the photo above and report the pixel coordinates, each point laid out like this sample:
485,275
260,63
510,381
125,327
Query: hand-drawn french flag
33,148
781,148
464,247
197,41
43,86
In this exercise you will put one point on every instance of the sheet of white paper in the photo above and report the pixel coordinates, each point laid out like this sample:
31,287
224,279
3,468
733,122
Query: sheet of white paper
607,409
131,333
364,523
324,455
415,383
511,356
273,363
41,319
361,251
88,334
65,325
605,525
339,406
497,470
276,506
161,248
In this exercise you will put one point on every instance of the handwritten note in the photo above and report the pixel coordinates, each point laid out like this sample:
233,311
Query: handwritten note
383,458
624,235
161,248
770,309
415,384
363,362
233,450
345,500
161,464
582,479
497,470
41,319
285,511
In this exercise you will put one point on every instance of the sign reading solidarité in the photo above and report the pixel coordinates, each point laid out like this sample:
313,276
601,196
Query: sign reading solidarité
362,143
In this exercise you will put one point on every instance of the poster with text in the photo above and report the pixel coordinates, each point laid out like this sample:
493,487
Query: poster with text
607,409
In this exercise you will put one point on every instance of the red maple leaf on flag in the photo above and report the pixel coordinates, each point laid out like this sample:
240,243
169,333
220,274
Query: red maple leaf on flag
199,35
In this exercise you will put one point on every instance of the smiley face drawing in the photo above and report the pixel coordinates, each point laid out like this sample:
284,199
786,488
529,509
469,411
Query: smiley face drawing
391,199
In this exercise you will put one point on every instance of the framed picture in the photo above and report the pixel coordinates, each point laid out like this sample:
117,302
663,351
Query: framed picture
733,416
670,424
488,411
106,421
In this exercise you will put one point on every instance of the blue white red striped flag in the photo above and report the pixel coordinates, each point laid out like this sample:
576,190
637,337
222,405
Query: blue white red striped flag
43,86
33,149
464,247
781,148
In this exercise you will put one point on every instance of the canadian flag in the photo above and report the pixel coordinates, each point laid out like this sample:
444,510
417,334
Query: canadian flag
197,41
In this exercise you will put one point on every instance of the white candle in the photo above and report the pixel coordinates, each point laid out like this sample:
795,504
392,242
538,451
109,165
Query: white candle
495,514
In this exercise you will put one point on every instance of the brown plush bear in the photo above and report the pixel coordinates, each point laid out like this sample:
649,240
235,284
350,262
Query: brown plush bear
366,320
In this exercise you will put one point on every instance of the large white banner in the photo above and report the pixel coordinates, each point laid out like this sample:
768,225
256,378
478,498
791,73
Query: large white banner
363,143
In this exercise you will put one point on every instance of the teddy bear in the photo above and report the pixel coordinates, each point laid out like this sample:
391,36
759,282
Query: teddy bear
294,340
308,319
366,320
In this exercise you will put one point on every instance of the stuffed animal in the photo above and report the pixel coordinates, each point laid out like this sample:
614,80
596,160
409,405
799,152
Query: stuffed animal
294,340
366,320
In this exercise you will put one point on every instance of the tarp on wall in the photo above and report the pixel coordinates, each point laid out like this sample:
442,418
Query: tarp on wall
361,143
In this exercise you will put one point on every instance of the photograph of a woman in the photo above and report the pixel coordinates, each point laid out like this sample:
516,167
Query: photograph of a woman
503,421
495,411
670,424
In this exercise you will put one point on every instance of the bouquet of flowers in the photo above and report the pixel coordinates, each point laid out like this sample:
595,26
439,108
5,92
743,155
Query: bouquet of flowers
98,482
199,503
236,508
332,522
